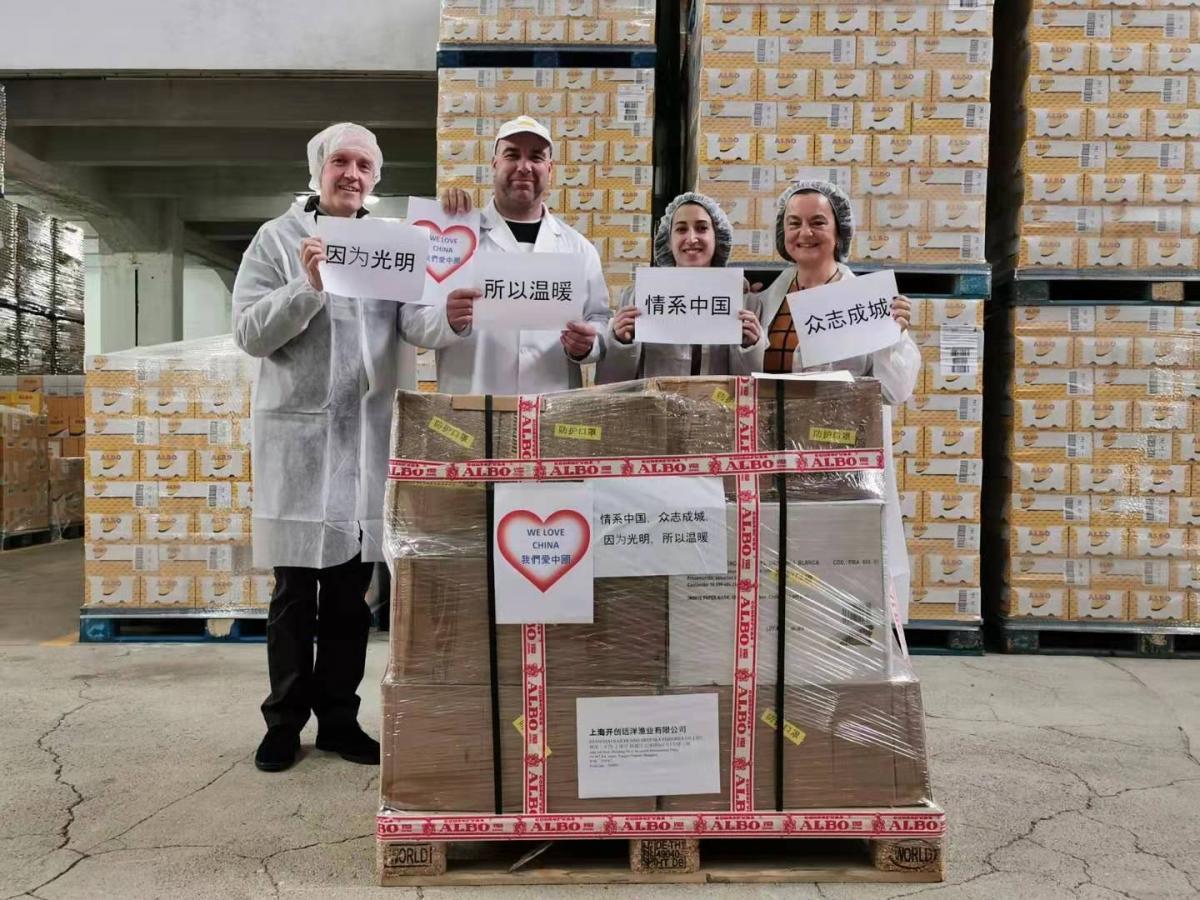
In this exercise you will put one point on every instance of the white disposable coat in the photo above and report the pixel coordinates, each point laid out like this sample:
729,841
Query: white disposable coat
329,368
625,362
510,362
896,368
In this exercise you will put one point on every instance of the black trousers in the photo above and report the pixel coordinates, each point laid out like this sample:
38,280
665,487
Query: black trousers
329,604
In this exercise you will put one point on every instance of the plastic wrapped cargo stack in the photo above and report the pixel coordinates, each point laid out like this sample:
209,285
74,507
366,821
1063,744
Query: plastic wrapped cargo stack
24,480
565,22
168,490
853,733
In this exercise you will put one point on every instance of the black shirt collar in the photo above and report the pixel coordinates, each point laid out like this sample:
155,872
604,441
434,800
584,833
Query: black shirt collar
313,204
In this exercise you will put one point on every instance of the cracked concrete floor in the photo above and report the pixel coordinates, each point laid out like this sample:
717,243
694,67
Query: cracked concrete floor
127,772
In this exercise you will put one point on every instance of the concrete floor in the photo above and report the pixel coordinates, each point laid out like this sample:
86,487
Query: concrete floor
126,771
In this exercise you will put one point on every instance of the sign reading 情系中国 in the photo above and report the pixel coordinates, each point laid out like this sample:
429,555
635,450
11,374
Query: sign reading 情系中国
849,318
380,259
529,291
682,305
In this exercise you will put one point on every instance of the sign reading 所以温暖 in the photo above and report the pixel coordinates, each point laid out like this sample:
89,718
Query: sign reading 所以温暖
381,259
529,291
681,305
849,318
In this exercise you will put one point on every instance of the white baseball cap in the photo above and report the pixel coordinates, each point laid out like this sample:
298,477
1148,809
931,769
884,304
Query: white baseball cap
523,125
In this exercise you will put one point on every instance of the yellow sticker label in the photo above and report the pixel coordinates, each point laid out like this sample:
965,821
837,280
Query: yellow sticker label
792,732
577,432
796,577
519,724
723,397
847,436
452,433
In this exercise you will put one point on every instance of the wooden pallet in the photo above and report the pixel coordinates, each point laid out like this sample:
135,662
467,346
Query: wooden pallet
71,532
541,56
1106,641
944,638
1076,288
97,628
661,861
22,539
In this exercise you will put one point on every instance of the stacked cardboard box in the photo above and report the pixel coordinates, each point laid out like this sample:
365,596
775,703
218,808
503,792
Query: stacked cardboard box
586,22
1110,164
602,121
1103,515
938,447
852,713
66,494
168,490
24,466
892,104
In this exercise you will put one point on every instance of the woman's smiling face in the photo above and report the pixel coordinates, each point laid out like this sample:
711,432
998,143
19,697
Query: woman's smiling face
810,229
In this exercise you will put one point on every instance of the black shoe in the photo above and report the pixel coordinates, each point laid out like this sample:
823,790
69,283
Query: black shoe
351,744
277,751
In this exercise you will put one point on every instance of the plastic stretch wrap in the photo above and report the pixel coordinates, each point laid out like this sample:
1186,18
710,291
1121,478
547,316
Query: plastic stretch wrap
9,341
8,252
1103,520
23,465
68,271
3,134
623,22
892,104
1111,115
66,492
602,122
168,493
35,347
35,260
68,347
853,726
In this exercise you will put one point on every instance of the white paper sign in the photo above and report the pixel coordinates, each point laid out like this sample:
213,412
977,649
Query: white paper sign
660,526
647,746
850,318
376,258
453,241
682,305
543,545
529,291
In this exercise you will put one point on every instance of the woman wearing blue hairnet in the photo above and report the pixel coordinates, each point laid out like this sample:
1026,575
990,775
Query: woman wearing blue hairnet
813,228
693,231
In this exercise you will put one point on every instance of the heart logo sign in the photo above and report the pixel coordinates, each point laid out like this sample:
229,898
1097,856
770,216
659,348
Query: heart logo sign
449,248
543,550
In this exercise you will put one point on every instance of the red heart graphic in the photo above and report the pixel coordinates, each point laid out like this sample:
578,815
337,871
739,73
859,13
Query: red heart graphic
508,539
440,274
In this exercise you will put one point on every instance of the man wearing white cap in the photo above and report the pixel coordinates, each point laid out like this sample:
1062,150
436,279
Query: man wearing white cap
514,221
329,367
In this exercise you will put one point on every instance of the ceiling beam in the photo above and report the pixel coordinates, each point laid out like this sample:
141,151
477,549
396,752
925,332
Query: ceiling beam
288,103
218,182
213,253
242,147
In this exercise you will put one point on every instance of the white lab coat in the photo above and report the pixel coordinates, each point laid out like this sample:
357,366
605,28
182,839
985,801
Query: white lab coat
896,368
508,362
626,362
329,369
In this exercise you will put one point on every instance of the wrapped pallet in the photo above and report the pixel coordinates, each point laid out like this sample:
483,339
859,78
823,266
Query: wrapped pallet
736,652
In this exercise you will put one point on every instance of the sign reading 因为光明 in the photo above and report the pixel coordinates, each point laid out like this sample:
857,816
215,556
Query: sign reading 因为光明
380,259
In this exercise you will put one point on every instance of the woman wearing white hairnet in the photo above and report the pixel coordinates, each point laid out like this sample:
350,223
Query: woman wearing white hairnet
329,369
694,231
813,228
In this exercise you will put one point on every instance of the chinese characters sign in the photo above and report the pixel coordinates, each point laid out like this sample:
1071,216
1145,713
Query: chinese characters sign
373,258
529,291
850,318
647,746
543,543
660,526
453,241
688,306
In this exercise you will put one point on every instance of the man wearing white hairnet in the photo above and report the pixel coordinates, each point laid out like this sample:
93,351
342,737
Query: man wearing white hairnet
476,361
329,367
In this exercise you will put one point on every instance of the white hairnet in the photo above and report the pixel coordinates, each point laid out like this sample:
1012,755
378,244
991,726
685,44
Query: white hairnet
341,136
722,231
843,215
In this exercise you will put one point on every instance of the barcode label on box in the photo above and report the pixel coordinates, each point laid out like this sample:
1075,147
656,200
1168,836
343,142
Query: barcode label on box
145,558
968,603
1076,509
1157,511
148,370
1085,156
220,559
632,101
1079,382
968,409
972,182
762,51
974,51
220,495
965,538
145,495
1081,319
1091,26
1079,445
145,433
1162,319
968,471
220,432
1077,572
761,178
1158,446
835,116
959,350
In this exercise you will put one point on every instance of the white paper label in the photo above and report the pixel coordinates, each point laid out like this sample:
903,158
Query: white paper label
960,350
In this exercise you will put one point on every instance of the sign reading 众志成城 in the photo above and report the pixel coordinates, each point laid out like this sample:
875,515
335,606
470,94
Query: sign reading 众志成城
846,319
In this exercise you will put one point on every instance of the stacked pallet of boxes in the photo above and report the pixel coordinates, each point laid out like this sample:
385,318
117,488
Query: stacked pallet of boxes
938,443
601,117
1111,168
168,491
24,473
1103,515
892,104
454,724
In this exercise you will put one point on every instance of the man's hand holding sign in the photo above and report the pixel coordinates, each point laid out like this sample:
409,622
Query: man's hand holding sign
848,318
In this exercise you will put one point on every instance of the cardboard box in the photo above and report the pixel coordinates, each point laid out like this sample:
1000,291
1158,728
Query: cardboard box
1120,57
1040,602
1057,123
1062,58
1099,604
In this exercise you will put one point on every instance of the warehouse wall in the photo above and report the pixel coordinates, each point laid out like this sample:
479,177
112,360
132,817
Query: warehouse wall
217,35
207,303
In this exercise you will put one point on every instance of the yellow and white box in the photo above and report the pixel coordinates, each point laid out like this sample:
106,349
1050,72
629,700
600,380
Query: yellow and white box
1104,351
591,31
803,117
1112,188
173,527
900,213
906,440
1044,350
885,51
1159,605
1059,26
1060,219
1162,188
111,590
1048,540
740,51
912,85
1039,602
880,182
954,52
946,183
1105,123
958,85
944,245
1045,251
1097,541
1176,58
631,152
1062,58
1120,58
1052,478
952,506
953,119
847,20
1057,123
787,18
1165,351
1175,123
1099,604
835,149
844,84
729,84
1165,416
222,464
950,150
734,148
222,591
112,465
876,118
879,246
904,20
731,18
1103,414
1109,253
786,84
166,465
943,409
942,536
221,527
1159,543
787,148
1053,187
737,116
821,52
1045,91
951,568
1151,25
1148,90
1064,156
901,149
118,528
